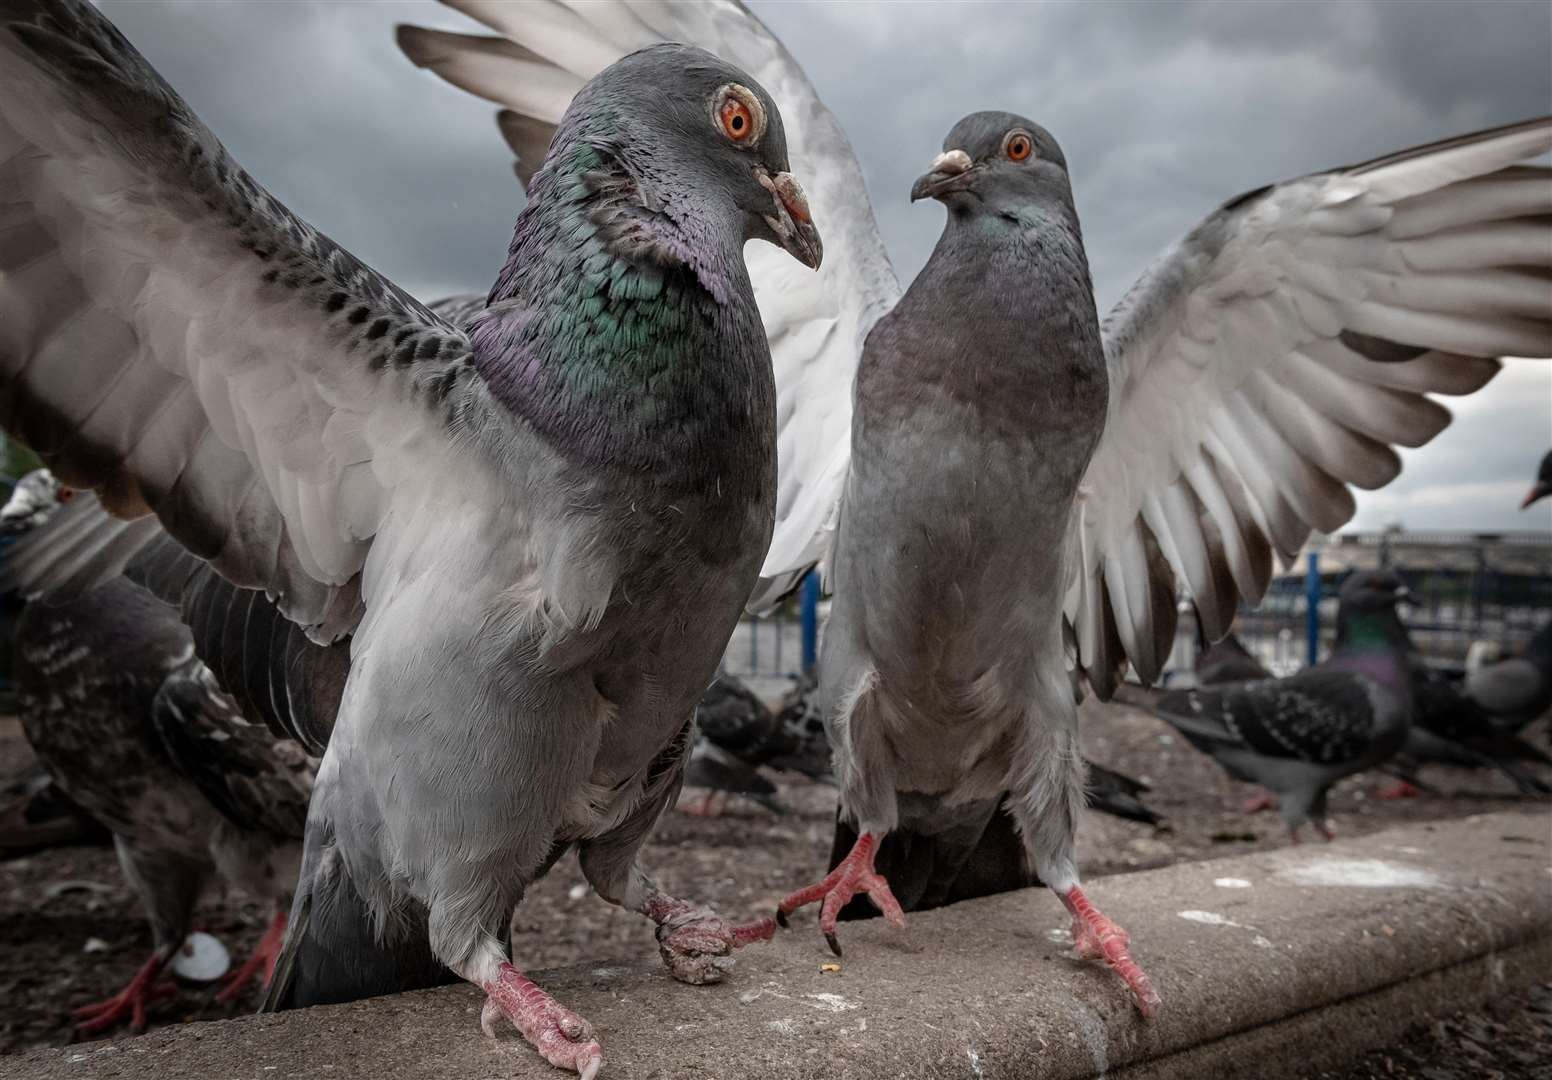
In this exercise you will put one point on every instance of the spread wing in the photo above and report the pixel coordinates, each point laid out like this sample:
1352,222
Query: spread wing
1273,358
541,54
174,337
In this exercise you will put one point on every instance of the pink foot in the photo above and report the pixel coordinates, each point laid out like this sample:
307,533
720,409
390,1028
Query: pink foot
1401,789
854,874
697,943
1257,803
265,953
562,1037
129,1002
1093,935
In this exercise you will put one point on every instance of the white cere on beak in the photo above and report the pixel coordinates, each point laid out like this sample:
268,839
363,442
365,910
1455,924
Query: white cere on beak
954,161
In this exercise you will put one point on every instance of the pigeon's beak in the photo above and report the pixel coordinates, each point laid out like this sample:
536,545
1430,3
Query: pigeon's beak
1537,492
790,220
949,171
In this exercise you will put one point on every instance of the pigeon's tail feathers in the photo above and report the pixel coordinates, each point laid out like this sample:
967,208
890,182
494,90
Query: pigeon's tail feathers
334,951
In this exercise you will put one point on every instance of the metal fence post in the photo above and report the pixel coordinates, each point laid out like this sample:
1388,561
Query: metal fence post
809,615
1312,609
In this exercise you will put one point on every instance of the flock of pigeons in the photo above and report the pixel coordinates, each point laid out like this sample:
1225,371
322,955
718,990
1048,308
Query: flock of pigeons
470,567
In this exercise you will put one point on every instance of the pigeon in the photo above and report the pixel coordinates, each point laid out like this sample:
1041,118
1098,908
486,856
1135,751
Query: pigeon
1225,660
1299,735
135,731
1513,692
1543,485
738,736
537,530
1449,728
1001,492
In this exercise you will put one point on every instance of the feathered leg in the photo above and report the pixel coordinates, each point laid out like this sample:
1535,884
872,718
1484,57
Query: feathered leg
1047,783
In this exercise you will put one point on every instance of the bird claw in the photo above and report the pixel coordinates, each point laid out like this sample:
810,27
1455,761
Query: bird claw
129,1002
562,1038
697,944
1096,937
853,875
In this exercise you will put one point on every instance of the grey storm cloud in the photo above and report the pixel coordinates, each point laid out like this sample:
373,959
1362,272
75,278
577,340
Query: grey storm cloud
1163,110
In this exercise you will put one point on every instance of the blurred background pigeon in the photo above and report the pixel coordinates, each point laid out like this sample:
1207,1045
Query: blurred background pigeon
1298,735
133,728
738,736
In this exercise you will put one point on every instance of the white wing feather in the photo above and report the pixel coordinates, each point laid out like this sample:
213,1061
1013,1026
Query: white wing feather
172,335
1275,355
816,323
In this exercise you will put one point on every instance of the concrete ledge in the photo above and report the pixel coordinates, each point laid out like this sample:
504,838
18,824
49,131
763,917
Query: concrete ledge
1271,964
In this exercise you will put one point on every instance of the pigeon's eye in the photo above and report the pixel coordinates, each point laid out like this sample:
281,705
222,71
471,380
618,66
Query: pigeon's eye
1018,145
739,114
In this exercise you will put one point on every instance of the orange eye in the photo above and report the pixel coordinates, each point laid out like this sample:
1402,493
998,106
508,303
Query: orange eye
1019,146
736,119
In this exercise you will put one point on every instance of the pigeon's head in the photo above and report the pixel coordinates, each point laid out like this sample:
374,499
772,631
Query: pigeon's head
997,162
1373,591
699,134
1543,485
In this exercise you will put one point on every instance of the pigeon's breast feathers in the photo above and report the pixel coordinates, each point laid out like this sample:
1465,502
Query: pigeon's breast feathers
623,325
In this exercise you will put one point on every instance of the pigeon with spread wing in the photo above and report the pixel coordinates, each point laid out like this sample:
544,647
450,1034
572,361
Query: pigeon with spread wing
1002,490
537,528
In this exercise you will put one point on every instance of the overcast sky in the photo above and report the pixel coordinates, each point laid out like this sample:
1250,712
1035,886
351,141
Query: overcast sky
1163,110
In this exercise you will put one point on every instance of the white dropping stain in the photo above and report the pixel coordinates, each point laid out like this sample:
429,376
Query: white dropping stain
576,892
1207,918
1410,850
975,1061
1361,874
782,1027
830,1002
605,972
749,997
1212,918
1231,883
1059,936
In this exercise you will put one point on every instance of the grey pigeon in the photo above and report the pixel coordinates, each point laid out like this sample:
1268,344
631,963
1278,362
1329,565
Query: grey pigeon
1448,728
537,531
1543,485
1299,735
1513,692
1004,494
134,730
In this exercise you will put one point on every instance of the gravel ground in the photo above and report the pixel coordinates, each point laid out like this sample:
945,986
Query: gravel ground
72,932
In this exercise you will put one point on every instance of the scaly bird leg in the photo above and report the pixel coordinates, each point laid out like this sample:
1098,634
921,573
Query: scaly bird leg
696,942
1093,935
563,1038
265,953
130,1001
854,874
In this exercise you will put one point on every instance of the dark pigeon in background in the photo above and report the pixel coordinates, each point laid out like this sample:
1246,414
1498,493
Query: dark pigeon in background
1511,693
537,530
133,728
1017,491
738,736
1298,735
